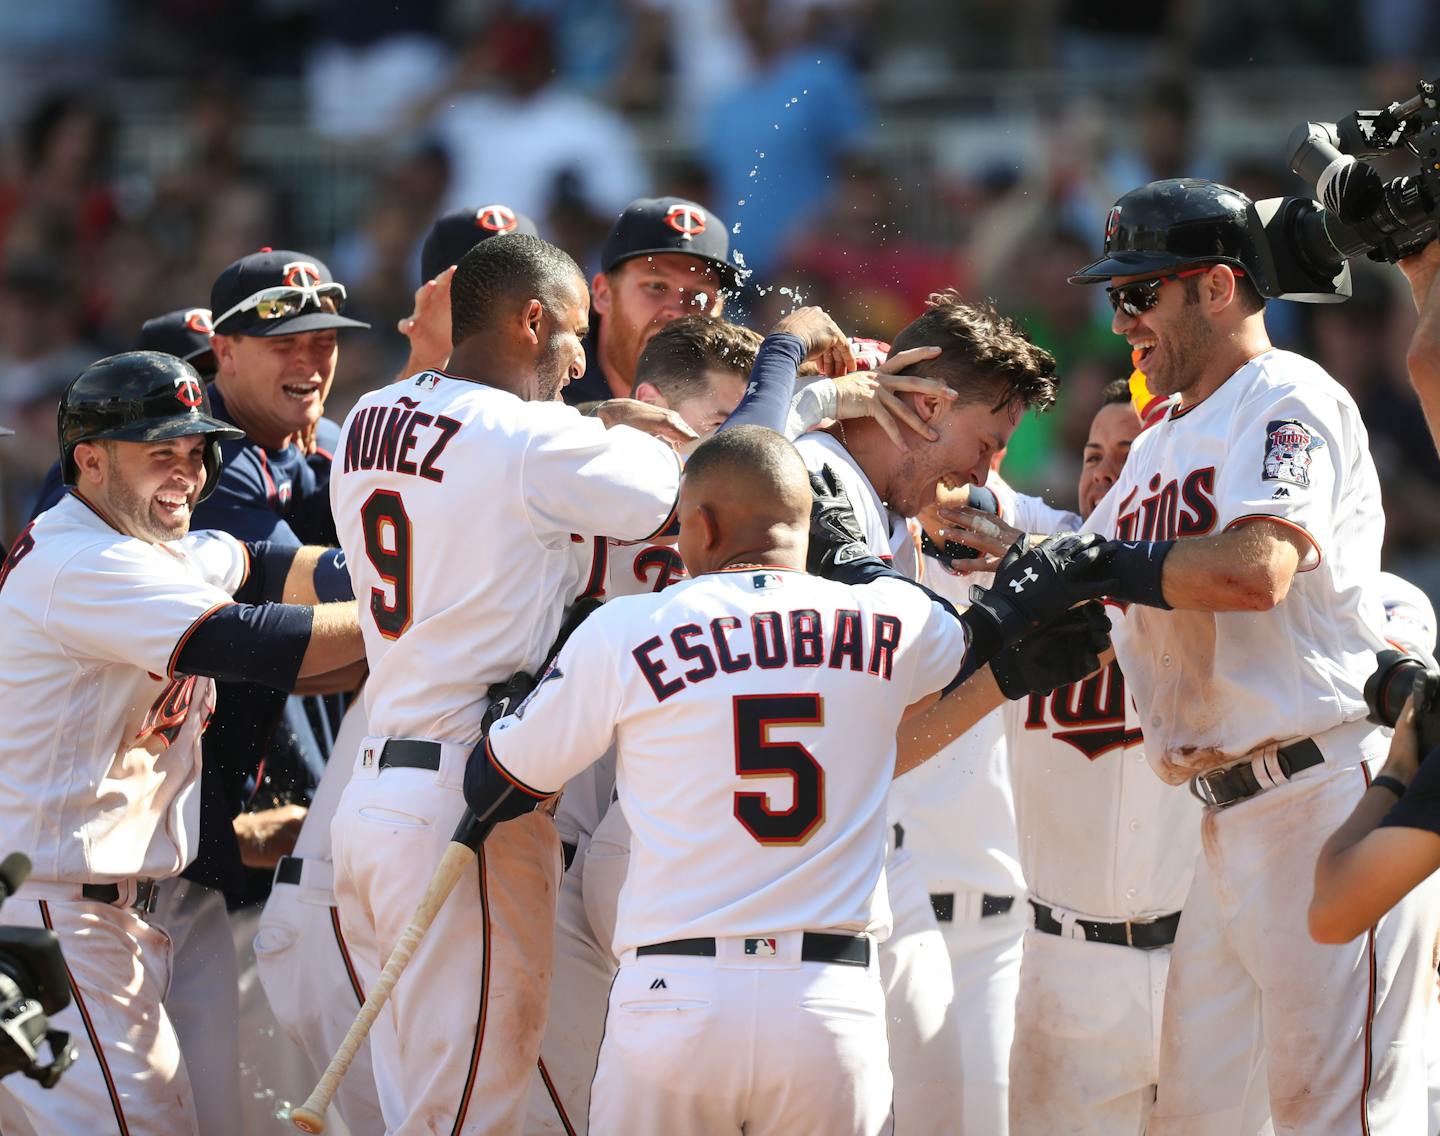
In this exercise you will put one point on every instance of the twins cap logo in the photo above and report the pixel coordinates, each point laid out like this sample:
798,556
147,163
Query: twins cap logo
495,218
1112,224
198,320
300,274
687,220
188,391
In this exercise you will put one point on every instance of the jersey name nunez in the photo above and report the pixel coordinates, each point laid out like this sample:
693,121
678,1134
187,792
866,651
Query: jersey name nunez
1181,507
796,638
383,437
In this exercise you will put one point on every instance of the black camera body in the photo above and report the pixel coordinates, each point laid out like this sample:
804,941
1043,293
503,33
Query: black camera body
1398,675
33,985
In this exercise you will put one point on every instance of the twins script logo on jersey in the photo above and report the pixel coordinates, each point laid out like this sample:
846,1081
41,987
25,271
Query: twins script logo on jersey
687,220
1088,715
495,218
1288,445
166,716
1179,507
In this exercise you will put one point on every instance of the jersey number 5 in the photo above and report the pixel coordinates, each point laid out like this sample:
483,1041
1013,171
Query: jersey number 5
757,756
387,544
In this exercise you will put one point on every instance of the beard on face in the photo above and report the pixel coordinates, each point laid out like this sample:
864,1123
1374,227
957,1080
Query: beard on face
1184,352
138,514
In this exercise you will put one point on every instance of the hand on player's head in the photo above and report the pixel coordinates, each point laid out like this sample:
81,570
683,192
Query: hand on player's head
745,496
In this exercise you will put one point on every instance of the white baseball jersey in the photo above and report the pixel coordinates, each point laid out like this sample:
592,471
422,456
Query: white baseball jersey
1282,441
1100,835
101,748
888,535
755,713
462,587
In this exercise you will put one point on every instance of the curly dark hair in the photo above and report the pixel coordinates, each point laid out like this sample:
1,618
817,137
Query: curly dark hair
985,356
503,270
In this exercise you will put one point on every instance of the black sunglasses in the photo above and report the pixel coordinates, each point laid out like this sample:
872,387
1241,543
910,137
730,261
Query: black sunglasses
1142,295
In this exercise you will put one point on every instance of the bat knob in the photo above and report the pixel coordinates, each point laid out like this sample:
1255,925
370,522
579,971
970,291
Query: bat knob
307,1120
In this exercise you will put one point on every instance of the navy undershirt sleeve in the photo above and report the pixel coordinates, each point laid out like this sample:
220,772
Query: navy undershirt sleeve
243,642
269,566
772,384
332,577
1420,806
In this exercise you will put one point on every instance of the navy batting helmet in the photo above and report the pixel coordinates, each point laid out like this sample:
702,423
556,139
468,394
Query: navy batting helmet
140,396
1179,221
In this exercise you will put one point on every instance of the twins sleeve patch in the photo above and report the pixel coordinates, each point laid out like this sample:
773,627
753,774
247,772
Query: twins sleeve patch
1288,446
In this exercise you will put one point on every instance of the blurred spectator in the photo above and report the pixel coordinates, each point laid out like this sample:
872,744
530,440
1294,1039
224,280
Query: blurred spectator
1119,37
511,129
41,349
57,42
60,204
774,146
1160,140
370,62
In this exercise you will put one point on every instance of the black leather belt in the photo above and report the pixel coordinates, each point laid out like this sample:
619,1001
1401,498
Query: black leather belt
1144,936
1227,786
408,753
944,905
144,900
899,836
817,946
568,850
289,870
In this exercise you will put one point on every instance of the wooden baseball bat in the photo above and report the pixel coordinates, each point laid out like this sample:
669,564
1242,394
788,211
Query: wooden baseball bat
459,855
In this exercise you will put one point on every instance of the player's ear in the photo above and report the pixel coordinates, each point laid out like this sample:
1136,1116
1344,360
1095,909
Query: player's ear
90,461
600,299
224,348
532,318
709,527
929,406
649,392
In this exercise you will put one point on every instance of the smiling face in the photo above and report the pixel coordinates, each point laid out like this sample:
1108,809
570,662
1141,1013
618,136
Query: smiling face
971,434
562,331
1175,337
1113,430
146,489
275,386
641,295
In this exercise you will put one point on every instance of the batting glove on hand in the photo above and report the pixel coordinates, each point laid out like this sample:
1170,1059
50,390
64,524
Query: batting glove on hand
1057,654
837,546
1033,588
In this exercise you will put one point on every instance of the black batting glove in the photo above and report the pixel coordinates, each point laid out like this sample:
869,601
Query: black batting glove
838,549
1032,588
1059,653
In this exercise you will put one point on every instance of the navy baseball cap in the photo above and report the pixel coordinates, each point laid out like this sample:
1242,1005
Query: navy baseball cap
277,292
184,333
457,232
653,225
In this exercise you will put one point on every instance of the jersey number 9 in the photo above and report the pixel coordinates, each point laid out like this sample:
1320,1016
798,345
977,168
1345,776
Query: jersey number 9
757,756
387,544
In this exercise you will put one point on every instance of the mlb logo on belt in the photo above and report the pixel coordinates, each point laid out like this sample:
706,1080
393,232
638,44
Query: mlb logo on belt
765,948
367,757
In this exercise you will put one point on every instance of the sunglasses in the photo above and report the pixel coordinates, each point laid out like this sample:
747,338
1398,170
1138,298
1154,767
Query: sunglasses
285,300
1142,295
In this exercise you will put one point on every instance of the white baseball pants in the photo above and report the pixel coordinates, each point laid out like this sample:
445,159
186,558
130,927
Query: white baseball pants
765,1045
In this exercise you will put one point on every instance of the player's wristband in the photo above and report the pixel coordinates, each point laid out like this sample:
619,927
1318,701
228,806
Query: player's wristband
332,578
1137,567
1394,784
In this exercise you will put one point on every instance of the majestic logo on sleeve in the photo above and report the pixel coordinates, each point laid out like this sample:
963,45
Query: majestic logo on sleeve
1088,715
1288,446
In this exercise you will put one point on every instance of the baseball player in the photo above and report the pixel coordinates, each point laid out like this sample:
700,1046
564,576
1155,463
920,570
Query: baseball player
697,366
994,373
118,623
1249,526
451,236
764,678
446,617
664,257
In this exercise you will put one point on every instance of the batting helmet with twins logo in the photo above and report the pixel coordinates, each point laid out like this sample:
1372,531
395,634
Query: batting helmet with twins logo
140,396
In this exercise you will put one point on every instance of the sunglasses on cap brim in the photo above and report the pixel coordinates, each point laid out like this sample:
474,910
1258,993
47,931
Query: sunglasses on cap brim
285,300
1142,295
